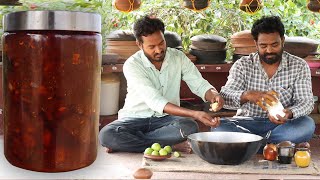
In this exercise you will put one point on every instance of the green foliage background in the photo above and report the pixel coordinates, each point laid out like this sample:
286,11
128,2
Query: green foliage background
223,17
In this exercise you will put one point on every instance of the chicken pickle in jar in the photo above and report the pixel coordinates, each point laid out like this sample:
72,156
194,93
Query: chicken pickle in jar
51,91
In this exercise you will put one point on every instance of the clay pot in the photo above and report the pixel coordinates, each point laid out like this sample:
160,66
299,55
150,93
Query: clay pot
198,4
312,58
242,34
121,35
207,42
314,6
245,50
235,57
242,39
126,5
209,57
173,39
110,58
250,5
10,3
122,43
191,57
300,46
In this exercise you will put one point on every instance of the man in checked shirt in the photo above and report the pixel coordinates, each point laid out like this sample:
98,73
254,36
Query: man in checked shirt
257,80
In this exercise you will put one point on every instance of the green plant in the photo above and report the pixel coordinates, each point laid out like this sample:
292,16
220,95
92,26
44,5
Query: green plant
223,17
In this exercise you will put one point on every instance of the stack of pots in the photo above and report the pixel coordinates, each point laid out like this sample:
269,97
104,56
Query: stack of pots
209,49
243,44
123,43
301,46
173,40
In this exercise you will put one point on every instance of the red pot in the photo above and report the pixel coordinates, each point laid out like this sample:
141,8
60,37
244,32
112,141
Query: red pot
126,5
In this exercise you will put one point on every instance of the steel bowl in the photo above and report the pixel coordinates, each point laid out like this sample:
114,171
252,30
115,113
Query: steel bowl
226,148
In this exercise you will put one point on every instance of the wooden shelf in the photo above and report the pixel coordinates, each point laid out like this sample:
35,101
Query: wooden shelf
201,68
112,68
315,72
214,67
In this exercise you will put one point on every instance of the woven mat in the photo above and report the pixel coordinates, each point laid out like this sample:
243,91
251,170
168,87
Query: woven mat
256,165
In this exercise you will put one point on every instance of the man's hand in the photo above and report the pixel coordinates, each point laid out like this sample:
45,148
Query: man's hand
206,119
201,116
216,100
260,98
281,120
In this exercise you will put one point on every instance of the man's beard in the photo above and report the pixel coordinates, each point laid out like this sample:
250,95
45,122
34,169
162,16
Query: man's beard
153,59
276,57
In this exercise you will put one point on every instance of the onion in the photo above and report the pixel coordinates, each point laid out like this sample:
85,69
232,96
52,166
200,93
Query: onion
142,173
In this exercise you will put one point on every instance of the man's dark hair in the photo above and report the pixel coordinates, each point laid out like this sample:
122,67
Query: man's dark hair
147,25
267,24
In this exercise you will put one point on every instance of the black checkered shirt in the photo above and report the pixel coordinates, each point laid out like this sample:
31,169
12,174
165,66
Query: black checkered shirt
292,81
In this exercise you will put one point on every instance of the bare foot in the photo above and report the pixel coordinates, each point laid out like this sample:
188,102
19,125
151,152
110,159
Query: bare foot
109,150
183,147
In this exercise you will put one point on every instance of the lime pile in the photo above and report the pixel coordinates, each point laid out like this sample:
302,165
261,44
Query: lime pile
157,150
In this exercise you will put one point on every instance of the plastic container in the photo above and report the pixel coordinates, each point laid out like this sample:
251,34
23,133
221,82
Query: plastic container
109,98
51,84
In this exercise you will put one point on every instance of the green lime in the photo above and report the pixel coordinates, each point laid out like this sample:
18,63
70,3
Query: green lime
168,149
148,151
155,153
156,146
163,152
176,154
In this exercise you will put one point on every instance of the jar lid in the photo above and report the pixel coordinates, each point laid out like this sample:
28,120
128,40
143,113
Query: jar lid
52,20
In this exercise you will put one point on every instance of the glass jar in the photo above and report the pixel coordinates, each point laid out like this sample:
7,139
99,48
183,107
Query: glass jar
302,157
51,84
285,154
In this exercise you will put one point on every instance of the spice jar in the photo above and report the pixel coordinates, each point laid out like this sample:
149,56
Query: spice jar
285,152
51,84
302,157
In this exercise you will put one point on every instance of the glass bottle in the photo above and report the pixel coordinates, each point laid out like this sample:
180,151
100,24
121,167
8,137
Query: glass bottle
51,84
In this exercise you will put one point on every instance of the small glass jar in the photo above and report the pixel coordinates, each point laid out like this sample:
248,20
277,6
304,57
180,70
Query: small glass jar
51,84
285,152
302,157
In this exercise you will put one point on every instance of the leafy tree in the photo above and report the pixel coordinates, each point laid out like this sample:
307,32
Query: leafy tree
222,17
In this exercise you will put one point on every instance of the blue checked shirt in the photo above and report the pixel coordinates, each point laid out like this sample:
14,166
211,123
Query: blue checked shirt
292,81
149,89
